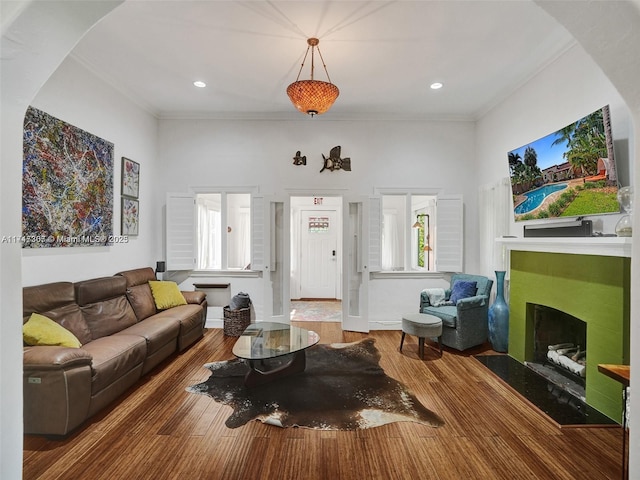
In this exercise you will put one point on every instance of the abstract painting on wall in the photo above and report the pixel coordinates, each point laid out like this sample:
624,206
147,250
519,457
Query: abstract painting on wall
67,185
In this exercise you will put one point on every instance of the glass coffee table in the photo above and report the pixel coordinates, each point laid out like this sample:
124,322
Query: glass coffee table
263,343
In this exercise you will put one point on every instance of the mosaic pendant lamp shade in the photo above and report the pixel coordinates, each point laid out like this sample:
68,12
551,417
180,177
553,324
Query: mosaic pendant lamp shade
313,97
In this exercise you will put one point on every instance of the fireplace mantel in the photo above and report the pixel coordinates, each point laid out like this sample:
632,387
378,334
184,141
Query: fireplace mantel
604,246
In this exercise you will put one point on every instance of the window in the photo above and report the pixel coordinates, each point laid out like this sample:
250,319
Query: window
218,247
422,246
407,232
420,232
210,231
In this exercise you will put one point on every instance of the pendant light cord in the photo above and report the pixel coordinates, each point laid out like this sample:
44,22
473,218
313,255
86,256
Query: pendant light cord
313,46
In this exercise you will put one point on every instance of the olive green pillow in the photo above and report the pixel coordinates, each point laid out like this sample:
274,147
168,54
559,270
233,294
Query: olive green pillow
40,330
166,294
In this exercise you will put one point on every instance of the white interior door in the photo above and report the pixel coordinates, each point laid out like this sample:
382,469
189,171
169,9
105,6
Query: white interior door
318,254
276,266
355,285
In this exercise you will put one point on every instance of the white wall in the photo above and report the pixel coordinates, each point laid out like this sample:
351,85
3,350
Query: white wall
237,152
568,89
438,156
78,97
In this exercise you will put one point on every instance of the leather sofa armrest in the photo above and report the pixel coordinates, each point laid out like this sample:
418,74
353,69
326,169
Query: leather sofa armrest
471,302
54,358
56,386
196,298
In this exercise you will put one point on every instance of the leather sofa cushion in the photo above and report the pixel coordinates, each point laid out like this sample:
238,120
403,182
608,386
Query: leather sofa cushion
57,302
71,318
104,305
99,289
142,301
139,292
157,331
190,317
113,357
42,298
109,316
138,276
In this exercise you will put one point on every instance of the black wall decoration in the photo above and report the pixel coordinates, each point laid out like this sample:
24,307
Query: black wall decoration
334,162
299,160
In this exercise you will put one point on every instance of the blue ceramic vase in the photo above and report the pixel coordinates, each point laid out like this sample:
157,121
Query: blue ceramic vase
499,318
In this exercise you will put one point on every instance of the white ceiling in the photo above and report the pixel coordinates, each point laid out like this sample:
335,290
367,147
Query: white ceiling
382,55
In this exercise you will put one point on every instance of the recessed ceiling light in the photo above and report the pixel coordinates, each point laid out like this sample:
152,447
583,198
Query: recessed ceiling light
436,85
199,84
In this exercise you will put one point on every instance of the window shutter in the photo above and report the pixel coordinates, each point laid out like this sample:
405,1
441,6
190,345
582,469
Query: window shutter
257,233
449,233
375,234
181,231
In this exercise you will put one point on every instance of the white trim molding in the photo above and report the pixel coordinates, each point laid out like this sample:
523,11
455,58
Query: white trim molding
604,246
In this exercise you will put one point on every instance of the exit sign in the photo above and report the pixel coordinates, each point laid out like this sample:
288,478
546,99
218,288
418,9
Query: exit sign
317,200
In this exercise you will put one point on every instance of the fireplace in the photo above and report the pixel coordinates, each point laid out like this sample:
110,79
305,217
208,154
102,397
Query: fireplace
559,348
592,288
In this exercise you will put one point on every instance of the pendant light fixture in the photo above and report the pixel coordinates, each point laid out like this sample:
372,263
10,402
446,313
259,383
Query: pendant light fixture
313,97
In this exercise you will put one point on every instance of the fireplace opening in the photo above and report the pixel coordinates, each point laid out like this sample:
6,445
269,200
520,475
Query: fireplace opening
559,353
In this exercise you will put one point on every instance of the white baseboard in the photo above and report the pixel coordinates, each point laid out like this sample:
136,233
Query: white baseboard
214,323
385,325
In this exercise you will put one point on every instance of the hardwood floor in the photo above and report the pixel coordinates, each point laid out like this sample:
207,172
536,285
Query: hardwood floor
160,431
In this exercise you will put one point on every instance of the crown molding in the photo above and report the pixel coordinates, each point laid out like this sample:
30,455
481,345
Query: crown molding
294,116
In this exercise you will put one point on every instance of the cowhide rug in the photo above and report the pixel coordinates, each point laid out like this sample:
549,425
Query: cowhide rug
342,388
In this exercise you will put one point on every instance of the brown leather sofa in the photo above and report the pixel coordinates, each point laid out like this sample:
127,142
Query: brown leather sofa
123,336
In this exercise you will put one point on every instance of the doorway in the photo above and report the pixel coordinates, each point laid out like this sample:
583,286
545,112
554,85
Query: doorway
316,260
316,310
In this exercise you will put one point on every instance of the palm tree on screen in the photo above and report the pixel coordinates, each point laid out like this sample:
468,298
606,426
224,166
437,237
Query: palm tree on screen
514,160
564,135
530,157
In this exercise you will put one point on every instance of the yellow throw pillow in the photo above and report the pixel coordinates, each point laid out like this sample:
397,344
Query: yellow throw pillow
40,330
166,294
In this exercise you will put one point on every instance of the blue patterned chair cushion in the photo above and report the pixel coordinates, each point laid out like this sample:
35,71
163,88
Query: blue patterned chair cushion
448,314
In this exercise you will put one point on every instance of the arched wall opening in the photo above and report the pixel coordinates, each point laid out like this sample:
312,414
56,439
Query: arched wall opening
37,36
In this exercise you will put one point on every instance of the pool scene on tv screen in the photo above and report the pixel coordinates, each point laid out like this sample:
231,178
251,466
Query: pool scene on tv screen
569,173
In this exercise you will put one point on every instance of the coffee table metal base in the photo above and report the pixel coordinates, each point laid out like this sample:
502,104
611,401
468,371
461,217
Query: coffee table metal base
255,376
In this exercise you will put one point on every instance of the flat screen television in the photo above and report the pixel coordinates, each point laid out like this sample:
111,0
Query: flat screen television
568,173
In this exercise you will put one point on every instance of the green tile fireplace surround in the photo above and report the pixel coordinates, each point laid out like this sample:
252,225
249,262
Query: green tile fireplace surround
593,288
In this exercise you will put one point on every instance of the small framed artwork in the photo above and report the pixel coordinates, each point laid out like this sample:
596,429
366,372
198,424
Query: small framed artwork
130,216
130,178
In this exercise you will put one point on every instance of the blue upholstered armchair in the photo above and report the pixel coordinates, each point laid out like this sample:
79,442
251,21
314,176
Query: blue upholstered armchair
464,320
